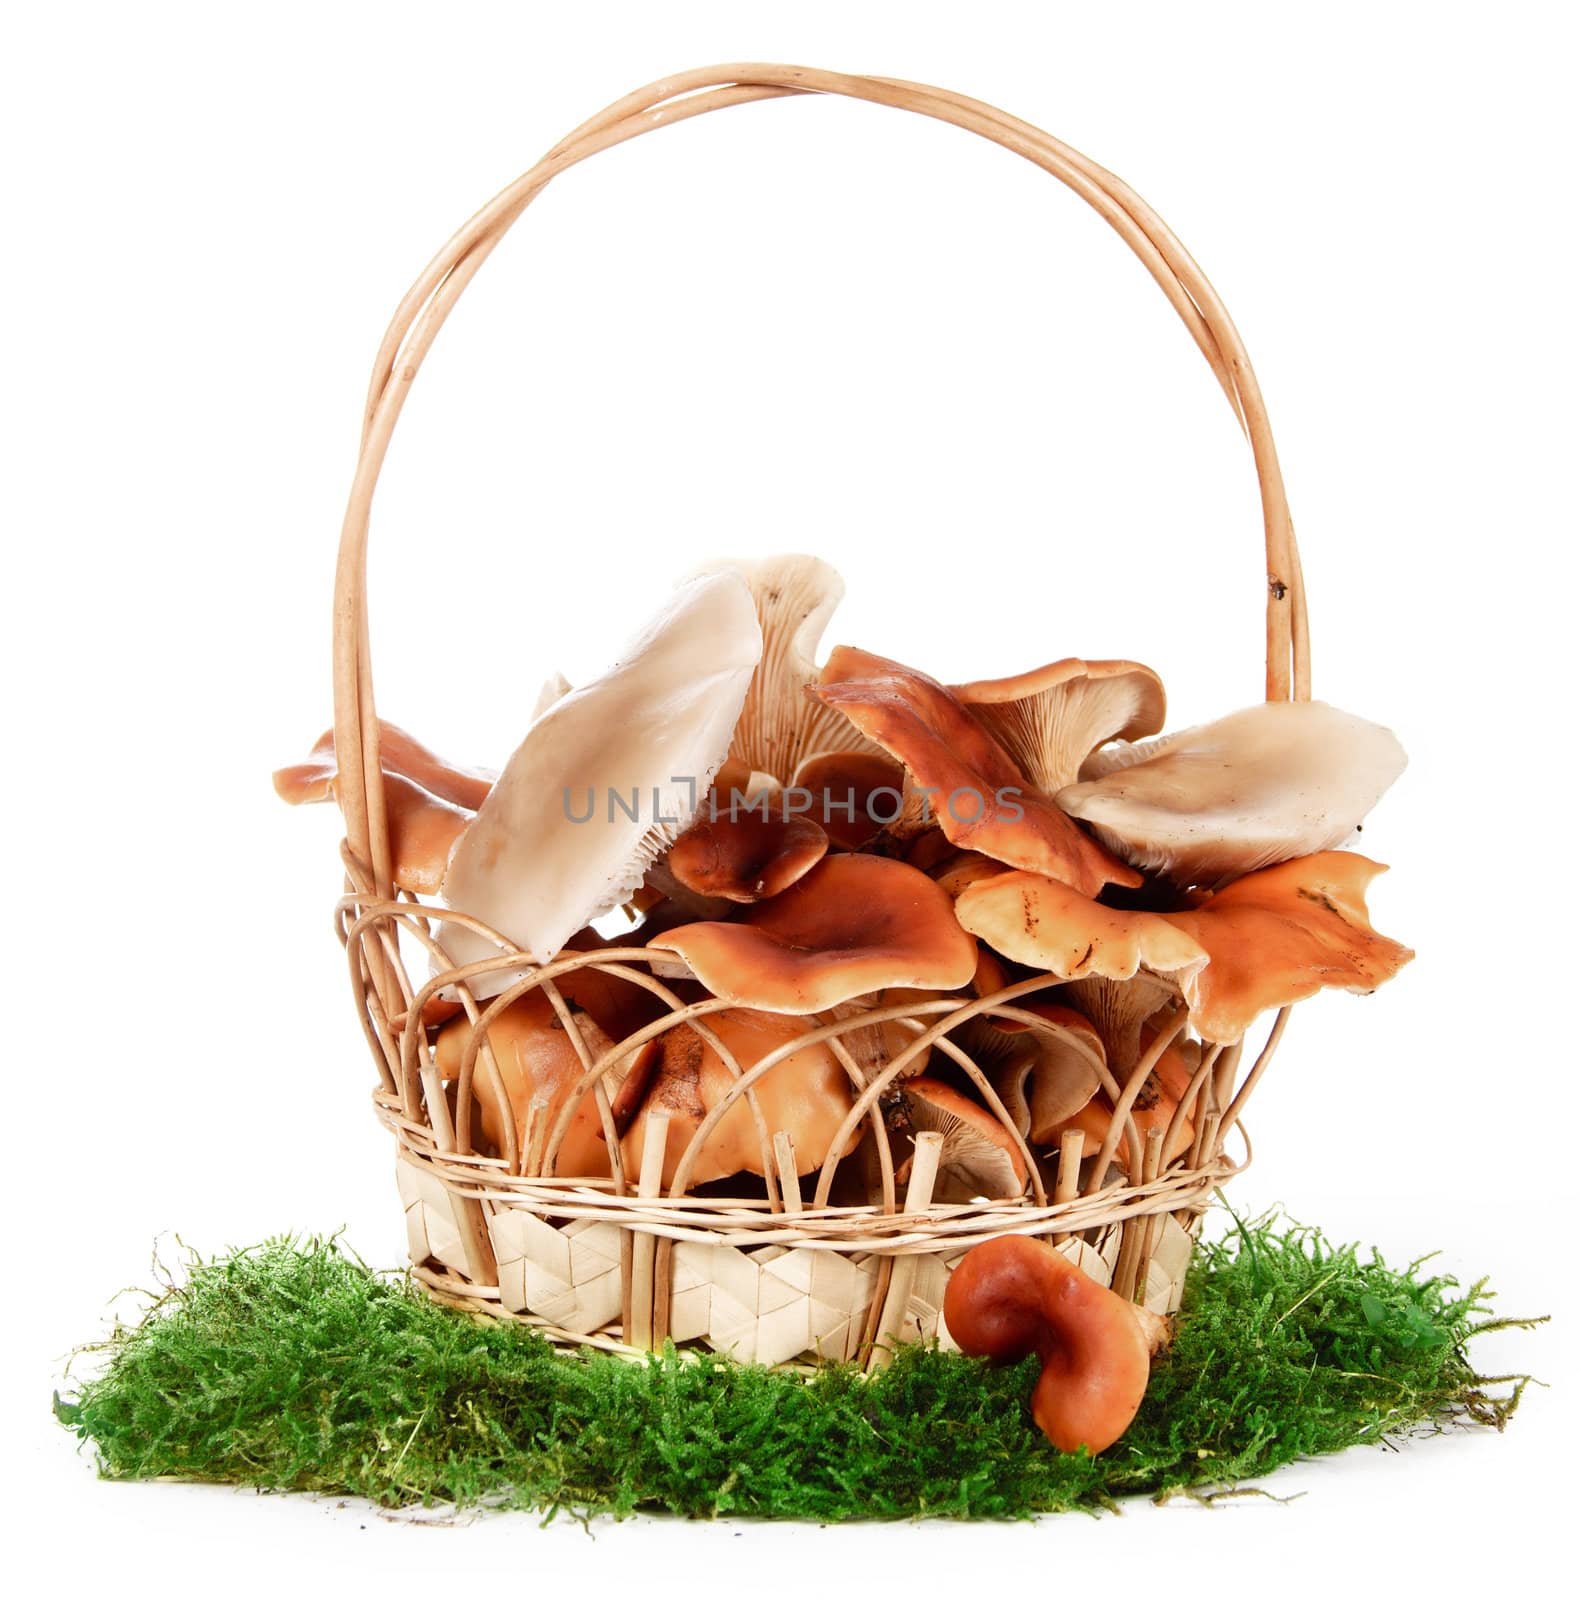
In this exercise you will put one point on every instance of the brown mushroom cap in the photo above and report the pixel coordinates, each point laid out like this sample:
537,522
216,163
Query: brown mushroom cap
979,1159
1013,1297
745,855
851,792
806,1095
1268,940
428,802
1279,935
399,752
1052,719
540,1067
981,799
853,924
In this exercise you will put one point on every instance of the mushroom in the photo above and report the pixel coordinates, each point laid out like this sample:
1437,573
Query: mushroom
1052,719
314,779
428,801
423,828
980,797
1119,1009
1262,786
849,792
1013,1297
606,779
1267,940
963,869
806,1095
1154,1107
735,786
1281,934
540,1066
853,924
979,1160
746,855
618,1005
1047,925
780,724
1052,1072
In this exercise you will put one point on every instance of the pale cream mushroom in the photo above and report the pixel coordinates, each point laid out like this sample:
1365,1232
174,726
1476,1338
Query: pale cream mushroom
1052,719
781,724
1253,789
1119,1009
607,778
1053,1071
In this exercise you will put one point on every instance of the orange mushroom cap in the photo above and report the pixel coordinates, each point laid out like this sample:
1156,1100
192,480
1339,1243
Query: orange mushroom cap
1049,926
1013,1297
314,779
1267,940
853,924
982,800
746,854
850,792
428,802
806,1095
1051,719
540,1067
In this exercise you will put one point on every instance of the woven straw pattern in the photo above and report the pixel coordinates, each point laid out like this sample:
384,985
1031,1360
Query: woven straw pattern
774,1275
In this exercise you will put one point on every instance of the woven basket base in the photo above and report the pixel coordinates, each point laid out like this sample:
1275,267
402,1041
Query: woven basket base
773,1304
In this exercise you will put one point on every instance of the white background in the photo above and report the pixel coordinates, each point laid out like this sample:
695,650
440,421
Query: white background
810,325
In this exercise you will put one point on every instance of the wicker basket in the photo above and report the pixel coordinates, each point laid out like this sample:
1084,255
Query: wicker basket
774,1275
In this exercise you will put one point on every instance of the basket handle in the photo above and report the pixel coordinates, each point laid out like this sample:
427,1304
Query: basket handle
429,301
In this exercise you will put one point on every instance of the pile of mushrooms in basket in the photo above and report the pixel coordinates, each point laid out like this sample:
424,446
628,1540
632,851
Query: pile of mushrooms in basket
805,842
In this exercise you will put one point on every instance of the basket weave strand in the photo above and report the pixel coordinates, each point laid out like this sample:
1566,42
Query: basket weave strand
638,1259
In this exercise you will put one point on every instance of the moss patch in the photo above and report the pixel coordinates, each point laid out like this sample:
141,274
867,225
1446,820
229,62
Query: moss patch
293,1366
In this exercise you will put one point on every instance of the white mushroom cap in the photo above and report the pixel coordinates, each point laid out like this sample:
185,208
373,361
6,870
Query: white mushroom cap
1253,789
781,724
633,752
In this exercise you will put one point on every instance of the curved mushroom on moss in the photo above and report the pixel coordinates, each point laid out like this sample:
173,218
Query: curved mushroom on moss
1014,1297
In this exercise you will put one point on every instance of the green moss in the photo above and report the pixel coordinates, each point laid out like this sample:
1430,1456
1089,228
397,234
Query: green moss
292,1366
